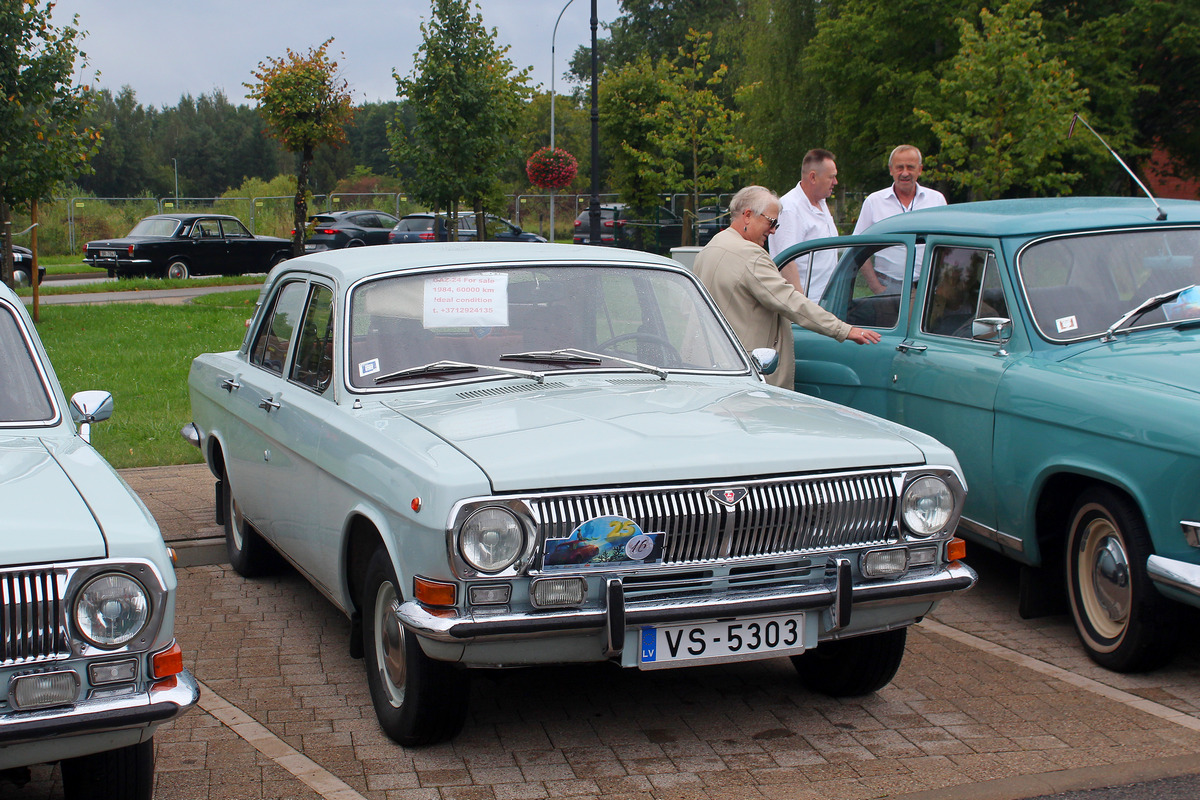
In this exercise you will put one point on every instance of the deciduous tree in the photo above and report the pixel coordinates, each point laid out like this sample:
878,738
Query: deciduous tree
305,104
43,140
466,100
1001,112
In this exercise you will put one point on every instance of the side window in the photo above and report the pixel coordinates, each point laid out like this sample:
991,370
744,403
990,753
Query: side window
206,229
850,287
964,286
313,366
278,326
234,229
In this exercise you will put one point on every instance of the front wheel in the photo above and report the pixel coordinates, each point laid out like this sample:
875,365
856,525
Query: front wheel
179,270
852,667
417,700
126,773
1122,621
249,554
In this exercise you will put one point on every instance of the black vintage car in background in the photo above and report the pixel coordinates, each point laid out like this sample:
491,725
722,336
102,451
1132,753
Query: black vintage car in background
182,245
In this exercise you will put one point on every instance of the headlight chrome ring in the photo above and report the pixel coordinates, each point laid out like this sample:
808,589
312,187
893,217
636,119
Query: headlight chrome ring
491,539
927,506
111,610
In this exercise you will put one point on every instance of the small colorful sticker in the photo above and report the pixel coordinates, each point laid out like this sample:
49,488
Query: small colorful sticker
604,541
1064,324
368,368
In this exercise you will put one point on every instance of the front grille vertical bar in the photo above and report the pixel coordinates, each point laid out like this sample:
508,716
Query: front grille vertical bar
776,517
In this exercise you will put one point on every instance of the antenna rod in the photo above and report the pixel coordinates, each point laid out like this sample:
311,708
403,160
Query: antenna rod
1161,214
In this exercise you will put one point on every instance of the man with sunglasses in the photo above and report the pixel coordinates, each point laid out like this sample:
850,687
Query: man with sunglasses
804,215
748,288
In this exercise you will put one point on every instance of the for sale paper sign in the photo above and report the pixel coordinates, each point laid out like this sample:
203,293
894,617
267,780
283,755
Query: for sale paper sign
466,301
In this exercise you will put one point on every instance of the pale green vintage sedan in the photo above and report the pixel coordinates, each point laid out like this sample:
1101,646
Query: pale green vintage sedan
1054,344
497,455
89,666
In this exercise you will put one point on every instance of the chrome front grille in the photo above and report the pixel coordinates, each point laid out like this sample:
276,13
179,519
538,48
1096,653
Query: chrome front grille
776,517
32,615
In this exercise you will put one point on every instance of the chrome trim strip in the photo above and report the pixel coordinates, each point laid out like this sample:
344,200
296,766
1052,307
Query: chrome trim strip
1006,540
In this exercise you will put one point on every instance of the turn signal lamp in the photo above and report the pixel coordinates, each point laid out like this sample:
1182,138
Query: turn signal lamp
434,593
956,549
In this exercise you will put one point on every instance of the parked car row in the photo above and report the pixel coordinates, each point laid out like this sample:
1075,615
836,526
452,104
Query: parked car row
88,658
182,245
1054,345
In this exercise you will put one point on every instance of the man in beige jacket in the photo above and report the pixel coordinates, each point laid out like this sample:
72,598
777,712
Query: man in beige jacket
759,304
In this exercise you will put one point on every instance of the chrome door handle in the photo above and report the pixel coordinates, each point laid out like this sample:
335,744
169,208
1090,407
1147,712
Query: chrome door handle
268,403
229,384
905,347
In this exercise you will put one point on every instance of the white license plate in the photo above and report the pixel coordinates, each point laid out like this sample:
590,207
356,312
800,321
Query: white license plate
108,254
730,640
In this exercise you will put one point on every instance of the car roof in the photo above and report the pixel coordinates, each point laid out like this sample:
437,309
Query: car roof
352,264
347,212
191,216
1042,215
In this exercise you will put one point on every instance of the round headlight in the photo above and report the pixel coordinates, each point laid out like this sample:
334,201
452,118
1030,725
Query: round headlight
927,506
492,539
111,610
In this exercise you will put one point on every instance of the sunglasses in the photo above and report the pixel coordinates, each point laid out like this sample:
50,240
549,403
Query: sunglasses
774,222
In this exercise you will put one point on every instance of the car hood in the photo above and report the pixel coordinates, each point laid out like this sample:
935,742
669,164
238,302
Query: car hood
631,431
45,517
1164,357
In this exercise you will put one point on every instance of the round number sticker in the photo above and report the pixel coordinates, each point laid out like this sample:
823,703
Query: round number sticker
638,547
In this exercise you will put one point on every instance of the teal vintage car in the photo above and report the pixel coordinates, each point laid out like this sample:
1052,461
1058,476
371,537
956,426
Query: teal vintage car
89,666
499,455
1054,344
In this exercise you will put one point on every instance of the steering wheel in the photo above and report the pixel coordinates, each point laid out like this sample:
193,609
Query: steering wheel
653,338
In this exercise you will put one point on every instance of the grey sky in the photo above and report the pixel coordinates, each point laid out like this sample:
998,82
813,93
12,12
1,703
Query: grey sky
164,49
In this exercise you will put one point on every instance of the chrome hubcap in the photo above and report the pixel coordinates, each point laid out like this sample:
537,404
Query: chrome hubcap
389,643
1104,574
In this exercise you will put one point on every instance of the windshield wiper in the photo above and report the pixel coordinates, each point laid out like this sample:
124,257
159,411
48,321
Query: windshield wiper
653,370
452,367
552,357
1144,307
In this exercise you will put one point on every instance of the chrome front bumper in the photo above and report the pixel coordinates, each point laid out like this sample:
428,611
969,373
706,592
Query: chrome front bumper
165,700
1181,576
836,595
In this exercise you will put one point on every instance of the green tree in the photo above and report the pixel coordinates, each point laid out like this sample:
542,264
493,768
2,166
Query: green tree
868,65
43,138
669,129
699,147
466,99
628,97
1002,111
782,120
305,104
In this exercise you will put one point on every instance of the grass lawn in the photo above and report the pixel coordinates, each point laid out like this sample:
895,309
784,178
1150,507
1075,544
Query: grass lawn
141,352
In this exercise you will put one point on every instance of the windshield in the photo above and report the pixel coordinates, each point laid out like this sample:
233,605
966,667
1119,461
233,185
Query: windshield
1079,286
155,227
23,395
526,317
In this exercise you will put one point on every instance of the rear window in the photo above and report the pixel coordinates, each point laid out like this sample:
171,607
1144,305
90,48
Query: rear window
415,224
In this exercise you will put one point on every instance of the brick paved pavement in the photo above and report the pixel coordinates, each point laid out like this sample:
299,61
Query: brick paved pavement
985,706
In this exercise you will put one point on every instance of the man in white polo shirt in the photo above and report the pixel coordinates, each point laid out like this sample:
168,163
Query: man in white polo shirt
804,215
885,271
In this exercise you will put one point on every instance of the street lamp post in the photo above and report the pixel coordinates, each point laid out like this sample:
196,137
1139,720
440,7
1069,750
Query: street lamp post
594,206
552,37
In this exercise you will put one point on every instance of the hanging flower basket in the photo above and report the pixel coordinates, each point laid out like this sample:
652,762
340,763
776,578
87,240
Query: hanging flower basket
551,169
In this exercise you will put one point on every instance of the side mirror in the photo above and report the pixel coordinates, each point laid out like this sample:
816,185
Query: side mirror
988,329
88,407
766,359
